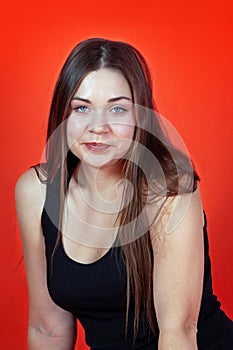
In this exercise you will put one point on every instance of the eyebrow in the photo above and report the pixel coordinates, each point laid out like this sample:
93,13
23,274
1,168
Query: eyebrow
113,99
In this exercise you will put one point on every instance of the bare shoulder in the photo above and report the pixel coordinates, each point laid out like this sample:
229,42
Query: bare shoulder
181,213
29,190
29,198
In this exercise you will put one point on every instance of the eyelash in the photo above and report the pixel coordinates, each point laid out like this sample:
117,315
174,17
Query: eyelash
121,108
78,109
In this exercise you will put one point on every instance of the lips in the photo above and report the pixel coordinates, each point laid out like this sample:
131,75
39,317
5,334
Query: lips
97,146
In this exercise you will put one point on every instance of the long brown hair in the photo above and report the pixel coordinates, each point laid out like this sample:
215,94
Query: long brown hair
88,56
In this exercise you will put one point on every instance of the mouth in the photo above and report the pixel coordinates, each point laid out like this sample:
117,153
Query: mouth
97,146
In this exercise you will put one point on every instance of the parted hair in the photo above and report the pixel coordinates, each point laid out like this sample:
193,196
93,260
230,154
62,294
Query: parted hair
91,55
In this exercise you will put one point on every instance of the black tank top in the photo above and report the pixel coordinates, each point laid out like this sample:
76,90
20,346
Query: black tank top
95,294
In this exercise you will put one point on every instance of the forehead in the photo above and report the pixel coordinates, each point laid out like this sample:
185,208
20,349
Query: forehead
103,84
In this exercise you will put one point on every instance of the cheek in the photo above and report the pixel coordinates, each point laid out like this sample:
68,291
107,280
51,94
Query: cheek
74,130
124,131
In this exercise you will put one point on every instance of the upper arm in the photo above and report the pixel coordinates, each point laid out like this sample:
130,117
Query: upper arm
178,264
44,314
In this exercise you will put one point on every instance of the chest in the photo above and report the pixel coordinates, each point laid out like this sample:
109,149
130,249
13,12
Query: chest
81,276
88,233
100,285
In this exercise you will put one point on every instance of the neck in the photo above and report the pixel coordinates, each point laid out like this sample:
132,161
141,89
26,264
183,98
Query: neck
102,181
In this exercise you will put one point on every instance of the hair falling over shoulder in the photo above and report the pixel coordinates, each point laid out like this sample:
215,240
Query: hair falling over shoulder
175,168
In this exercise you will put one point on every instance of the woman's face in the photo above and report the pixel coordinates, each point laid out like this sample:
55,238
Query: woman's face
101,124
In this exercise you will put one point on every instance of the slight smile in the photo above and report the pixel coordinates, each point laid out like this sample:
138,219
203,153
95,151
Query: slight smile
97,146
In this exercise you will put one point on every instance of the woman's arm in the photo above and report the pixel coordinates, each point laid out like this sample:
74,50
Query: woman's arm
49,326
178,275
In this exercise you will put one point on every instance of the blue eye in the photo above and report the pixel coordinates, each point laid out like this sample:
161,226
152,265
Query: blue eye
81,109
118,109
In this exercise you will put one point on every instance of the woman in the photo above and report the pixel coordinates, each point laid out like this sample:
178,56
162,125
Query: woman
112,224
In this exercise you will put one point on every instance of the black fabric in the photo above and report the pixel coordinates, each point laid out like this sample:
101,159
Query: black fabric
96,294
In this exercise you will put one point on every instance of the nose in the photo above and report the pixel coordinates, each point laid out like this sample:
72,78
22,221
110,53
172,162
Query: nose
99,129
99,124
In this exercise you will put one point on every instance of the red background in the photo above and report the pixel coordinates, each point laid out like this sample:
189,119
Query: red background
189,48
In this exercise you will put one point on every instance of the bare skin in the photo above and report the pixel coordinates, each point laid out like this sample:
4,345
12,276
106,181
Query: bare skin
176,296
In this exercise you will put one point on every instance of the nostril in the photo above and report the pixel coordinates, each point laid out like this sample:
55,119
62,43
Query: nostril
103,128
